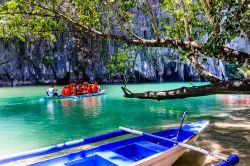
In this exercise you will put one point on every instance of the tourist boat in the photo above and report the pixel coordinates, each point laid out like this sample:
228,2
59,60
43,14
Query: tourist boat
84,95
161,148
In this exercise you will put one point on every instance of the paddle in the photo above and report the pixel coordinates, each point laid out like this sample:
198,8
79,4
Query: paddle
232,159
182,120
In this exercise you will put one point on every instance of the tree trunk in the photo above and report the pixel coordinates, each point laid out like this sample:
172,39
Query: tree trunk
208,76
226,87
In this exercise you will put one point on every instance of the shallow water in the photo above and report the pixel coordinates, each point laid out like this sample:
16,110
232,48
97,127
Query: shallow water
26,123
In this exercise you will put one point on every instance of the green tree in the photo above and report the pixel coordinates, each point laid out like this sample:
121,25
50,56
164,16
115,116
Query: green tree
119,63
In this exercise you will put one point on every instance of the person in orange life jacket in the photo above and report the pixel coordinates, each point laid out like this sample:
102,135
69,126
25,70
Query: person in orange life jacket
79,89
63,92
85,87
71,88
66,91
74,89
95,88
89,89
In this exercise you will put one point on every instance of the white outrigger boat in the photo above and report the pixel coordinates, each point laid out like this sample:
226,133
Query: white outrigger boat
84,95
162,148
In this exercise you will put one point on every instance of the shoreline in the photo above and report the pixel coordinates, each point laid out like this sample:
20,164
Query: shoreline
102,83
227,134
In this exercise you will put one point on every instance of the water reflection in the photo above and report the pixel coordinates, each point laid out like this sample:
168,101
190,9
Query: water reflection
234,100
90,102
91,106
65,103
50,110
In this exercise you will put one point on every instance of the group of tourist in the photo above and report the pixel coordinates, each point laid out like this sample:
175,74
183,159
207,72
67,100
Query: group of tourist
75,89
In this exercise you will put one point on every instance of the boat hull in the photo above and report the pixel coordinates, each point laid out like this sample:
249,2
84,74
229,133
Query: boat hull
166,158
75,97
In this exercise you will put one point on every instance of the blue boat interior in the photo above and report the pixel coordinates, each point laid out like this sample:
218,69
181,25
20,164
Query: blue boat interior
128,151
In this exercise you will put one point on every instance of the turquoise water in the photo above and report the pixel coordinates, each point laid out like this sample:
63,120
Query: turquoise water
26,123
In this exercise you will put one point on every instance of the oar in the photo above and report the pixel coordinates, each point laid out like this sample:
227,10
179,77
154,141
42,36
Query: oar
182,120
232,159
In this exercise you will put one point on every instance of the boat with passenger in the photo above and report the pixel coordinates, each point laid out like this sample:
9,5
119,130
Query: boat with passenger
80,96
74,91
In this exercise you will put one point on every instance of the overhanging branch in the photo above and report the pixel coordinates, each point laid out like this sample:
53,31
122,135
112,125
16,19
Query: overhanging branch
227,87
207,75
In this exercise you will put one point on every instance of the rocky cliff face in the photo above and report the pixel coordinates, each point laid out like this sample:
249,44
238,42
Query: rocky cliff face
22,63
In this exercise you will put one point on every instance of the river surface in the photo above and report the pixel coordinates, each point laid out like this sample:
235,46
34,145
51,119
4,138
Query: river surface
27,123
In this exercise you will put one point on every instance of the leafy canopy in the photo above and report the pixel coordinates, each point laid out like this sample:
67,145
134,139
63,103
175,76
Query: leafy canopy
221,20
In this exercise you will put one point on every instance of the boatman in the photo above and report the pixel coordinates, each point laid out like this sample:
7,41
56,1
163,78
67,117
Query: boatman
52,91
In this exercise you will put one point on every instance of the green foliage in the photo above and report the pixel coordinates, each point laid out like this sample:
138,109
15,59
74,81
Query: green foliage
228,21
228,15
183,55
194,12
87,12
48,61
18,19
247,73
120,62
233,73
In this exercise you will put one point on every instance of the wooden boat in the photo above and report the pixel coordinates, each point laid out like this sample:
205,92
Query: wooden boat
84,95
157,149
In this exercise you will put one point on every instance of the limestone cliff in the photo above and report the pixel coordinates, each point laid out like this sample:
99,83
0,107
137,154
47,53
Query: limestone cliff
22,63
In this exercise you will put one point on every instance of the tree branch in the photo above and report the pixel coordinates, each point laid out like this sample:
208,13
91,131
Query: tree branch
116,13
206,7
193,60
228,87
152,19
28,13
207,75
186,21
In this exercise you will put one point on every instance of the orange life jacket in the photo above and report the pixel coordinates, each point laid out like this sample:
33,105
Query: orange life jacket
67,91
89,90
63,91
73,91
95,88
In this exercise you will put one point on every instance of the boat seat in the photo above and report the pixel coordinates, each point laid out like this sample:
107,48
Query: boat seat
151,145
94,160
115,158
